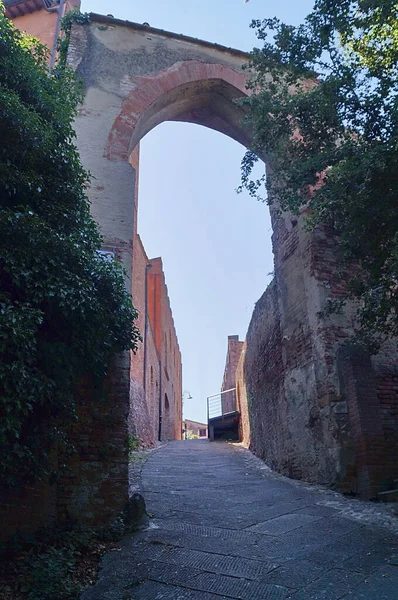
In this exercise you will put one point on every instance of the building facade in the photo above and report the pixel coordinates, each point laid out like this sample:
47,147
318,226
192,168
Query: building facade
194,429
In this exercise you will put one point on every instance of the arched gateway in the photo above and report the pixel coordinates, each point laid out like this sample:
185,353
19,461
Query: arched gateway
311,402
317,410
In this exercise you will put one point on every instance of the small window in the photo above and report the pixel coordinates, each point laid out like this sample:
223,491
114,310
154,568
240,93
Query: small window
202,432
151,375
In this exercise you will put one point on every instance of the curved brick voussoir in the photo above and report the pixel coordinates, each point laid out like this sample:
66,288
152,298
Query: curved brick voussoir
191,91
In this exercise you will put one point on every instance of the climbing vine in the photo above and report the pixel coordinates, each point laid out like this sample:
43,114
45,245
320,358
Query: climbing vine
64,309
73,16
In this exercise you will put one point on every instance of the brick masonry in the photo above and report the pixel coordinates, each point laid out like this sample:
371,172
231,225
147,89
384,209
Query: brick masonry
229,380
318,410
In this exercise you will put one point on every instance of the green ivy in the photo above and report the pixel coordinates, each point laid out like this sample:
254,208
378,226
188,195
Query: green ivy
73,16
64,309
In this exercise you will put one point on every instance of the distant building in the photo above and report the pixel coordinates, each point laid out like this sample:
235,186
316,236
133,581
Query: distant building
194,429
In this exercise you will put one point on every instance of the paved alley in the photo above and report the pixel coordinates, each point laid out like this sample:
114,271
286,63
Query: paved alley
221,527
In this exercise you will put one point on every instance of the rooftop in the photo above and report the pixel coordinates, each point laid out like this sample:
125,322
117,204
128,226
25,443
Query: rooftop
18,8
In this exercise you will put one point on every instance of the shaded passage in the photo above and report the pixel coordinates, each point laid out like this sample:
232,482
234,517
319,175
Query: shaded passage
223,528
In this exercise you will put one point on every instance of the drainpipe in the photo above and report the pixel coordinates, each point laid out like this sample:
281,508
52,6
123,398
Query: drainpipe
60,11
146,327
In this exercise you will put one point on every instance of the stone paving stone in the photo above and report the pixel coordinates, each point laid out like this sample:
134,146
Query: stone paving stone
286,547
333,585
347,546
206,544
240,537
233,587
268,512
200,546
166,573
213,519
216,563
375,557
284,523
381,585
296,573
335,526
152,590
318,510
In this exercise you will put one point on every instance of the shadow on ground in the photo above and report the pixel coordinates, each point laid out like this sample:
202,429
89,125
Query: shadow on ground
223,528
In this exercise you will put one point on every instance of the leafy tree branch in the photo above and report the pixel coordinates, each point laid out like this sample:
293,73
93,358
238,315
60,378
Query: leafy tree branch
325,112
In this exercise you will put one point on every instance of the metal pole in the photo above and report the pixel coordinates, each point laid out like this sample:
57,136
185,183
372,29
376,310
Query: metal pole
56,34
208,413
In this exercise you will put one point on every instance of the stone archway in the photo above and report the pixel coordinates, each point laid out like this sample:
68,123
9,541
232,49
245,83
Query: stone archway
136,77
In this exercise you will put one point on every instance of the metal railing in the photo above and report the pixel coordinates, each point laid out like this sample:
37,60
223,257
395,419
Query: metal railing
221,404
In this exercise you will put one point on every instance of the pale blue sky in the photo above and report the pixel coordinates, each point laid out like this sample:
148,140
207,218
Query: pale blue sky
215,244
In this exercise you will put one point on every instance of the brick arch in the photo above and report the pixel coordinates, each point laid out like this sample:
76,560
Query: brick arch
190,91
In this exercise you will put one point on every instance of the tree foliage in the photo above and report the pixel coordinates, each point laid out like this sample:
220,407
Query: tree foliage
325,113
64,309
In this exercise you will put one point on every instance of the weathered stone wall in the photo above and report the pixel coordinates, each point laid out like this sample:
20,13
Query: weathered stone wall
298,424
319,410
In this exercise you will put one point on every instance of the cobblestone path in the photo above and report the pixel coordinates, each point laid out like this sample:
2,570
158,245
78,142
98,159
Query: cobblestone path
223,528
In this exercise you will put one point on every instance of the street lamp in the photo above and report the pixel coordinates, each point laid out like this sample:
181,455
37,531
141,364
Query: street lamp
186,395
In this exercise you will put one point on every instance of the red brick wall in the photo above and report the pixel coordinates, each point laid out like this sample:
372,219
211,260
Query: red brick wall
153,384
140,262
148,398
234,350
241,399
161,390
162,323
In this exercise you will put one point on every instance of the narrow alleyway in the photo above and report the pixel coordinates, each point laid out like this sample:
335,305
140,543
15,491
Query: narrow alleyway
223,528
